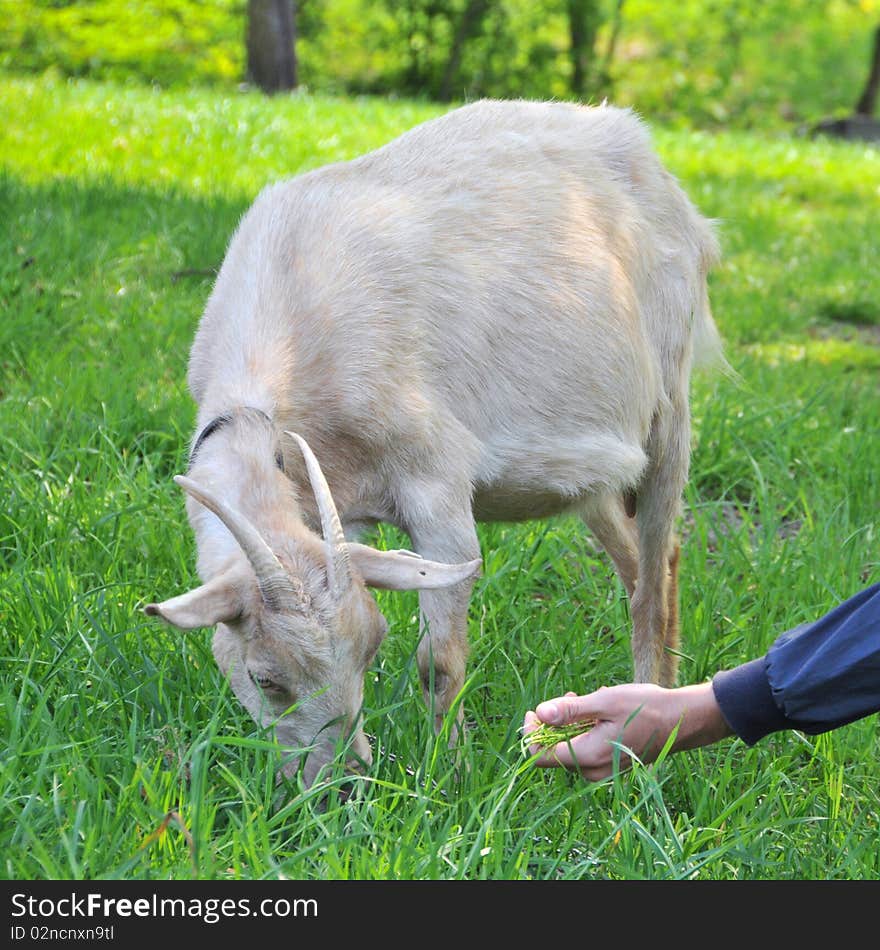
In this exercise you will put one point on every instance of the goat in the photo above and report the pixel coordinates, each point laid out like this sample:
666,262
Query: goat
493,317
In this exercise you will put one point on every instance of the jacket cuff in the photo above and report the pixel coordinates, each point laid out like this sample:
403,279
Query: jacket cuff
746,701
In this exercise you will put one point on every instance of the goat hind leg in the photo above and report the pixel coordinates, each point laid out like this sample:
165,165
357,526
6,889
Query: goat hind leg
616,531
606,517
669,662
655,602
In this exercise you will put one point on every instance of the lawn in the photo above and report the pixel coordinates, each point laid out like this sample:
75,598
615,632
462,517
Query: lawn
117,204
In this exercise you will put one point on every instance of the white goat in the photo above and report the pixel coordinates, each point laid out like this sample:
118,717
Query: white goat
493,317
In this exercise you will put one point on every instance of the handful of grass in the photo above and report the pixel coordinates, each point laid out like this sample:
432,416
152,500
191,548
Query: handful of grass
547,736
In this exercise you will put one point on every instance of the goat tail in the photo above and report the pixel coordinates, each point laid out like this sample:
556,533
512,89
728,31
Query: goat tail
708,348
707,344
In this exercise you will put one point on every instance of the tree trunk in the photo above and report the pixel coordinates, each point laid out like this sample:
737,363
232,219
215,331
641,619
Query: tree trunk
611,48
271,58
868,100
468,26
583,24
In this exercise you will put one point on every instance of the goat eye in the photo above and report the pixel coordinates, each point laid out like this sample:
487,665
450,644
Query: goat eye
263,681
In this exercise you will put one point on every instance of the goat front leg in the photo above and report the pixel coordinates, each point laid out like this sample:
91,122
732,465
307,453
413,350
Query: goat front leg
443,648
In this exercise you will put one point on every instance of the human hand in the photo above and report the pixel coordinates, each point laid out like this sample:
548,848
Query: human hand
640,716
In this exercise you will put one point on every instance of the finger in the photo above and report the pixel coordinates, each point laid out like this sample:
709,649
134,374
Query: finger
530,723
548,711
540,755
550,707
581,752
572,708
543,756
601,773
592,753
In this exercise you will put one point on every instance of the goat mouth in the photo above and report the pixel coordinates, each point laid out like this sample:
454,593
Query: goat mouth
348,789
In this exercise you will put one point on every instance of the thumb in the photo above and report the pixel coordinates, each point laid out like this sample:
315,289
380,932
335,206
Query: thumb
571,708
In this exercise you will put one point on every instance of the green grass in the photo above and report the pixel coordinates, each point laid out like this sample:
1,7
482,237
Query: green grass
110,721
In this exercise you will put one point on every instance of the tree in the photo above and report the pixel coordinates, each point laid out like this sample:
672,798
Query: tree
868,100
605,79
584,18
469,25
271,35
861,125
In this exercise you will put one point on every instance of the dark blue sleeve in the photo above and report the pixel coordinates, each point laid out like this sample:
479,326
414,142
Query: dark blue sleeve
817,677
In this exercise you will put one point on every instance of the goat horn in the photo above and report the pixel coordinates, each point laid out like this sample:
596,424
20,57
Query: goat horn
276,587
338,564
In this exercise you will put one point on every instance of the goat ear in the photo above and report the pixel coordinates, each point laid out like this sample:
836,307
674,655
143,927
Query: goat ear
404,570
218,601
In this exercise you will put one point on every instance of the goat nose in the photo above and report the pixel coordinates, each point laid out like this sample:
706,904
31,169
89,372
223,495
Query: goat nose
289,769
358,765
360,754
355,766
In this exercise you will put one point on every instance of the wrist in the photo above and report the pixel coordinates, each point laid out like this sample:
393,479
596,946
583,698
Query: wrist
698,716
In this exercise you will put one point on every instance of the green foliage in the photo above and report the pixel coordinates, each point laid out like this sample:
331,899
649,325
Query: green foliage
164,41
115,203
746,61
705,62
